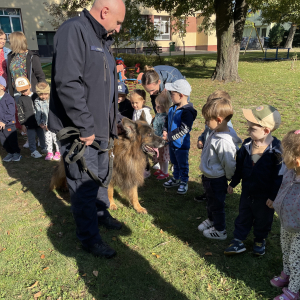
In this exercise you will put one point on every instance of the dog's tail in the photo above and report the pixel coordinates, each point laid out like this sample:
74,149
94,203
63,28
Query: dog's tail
59,180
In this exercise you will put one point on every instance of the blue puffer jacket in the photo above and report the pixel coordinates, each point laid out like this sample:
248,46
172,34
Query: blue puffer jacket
178,124
7,110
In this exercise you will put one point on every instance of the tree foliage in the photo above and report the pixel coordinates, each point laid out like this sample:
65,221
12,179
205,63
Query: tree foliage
276,35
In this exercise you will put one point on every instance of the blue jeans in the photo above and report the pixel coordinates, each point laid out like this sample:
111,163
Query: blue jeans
180,160
253,212
88,200
216,189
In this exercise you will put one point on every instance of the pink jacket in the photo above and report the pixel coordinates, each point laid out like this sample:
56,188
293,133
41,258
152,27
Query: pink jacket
287,202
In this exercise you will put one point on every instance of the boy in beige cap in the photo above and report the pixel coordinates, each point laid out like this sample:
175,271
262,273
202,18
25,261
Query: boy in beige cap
258,163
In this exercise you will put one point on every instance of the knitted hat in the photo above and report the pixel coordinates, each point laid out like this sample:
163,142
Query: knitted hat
42,88
264,115
22,84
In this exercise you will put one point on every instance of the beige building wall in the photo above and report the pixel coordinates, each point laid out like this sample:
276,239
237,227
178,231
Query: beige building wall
34,17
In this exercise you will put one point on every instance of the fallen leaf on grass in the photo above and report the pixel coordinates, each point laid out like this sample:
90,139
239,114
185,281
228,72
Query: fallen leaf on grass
37,295
114,238
208,254
198,218
161,231
34,285
8,232
209,288
45,268
9,189
157,256
83,275
95,273
42,256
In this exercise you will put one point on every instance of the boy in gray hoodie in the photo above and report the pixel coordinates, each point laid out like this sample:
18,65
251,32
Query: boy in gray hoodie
217,165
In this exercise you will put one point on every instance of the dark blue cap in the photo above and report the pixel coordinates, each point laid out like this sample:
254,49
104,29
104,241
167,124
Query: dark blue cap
122,88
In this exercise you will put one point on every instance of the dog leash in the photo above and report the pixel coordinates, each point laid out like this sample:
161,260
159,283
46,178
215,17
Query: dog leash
70,158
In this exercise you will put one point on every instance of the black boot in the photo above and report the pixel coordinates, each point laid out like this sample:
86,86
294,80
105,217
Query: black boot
109,222
100,249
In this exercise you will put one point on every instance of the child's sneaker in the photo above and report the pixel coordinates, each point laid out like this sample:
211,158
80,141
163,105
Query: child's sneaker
49,156
156,166
147,174
162,176
205,225
214,234
235,247
16,157
287,295
172,182
36,154
45,151
56,157
280,281
200,198
259,248
8,157
26,145
183,188
158,172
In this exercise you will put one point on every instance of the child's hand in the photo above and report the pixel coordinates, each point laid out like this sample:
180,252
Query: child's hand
270,203
24,129
165,135
42,126
230,190
2,125
200,145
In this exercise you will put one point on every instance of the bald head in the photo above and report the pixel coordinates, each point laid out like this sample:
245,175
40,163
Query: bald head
109,13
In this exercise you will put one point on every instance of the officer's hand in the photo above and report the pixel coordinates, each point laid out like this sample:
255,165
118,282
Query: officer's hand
88,140
200,145
2,125
230,189
270,203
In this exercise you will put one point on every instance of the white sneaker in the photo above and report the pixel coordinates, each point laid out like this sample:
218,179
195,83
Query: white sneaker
205,225
147,174
214,234
156,166
26,145
36,154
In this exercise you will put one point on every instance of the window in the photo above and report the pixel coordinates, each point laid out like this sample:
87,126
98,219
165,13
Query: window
163,25
10,20
258,32
263,32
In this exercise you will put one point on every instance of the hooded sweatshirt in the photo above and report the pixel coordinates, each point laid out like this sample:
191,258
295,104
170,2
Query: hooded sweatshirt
137,114
218,154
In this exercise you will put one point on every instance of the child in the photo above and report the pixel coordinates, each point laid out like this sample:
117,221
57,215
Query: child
138,99
217,165
41,105
26,116
176,131
287,206
162,103
258,163
8,131
125,107
207,131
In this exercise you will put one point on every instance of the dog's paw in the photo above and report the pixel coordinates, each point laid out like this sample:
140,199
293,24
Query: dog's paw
142,210
113,207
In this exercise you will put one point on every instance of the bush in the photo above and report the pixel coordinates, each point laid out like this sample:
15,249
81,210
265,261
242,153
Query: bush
276,35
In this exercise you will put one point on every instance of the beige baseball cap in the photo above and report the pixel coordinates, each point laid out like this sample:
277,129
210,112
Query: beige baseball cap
264,115
22,83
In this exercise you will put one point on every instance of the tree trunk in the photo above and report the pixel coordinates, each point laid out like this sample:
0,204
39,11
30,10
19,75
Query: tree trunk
230,21
289,41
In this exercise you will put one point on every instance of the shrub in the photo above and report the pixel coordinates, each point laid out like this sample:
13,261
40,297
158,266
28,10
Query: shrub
276,35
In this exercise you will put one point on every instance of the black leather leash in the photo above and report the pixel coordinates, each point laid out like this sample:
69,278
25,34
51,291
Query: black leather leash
70,158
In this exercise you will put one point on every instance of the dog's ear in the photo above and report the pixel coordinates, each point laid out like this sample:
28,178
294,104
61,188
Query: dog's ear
143,117
129,127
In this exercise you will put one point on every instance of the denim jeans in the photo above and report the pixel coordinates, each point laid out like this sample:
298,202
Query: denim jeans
216,189
180,160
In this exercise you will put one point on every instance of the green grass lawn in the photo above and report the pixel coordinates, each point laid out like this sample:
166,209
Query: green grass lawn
162,255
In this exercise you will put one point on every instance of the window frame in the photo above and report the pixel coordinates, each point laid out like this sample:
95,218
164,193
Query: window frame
19,16
160,23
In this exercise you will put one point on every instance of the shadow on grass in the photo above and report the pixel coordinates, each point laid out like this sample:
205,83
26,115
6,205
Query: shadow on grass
126,276
180,215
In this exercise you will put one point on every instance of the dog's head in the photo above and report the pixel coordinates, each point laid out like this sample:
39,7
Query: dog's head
142,133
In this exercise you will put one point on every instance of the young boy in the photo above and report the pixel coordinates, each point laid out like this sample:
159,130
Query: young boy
125,107
26,116
217,165
207,131
258,164
176,131
8,132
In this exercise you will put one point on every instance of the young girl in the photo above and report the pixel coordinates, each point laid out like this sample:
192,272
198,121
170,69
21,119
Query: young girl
287,206
41,105
162,104
138,99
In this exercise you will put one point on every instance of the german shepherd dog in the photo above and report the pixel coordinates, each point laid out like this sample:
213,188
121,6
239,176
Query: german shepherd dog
130,161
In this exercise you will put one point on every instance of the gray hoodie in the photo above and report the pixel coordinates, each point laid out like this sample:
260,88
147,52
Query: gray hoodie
218,154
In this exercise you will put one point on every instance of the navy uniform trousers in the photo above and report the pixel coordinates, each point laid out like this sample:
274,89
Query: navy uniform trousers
88,199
